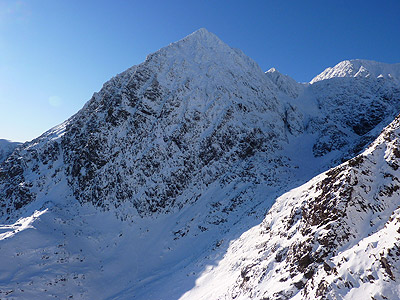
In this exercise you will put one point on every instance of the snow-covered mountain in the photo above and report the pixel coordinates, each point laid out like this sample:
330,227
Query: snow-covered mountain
361,68
150,185
192,113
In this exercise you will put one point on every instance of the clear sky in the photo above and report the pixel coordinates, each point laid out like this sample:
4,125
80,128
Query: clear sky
54,54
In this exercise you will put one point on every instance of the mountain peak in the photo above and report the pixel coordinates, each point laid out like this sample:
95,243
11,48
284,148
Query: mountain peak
360,68
201,32
186,104
201,54
201,36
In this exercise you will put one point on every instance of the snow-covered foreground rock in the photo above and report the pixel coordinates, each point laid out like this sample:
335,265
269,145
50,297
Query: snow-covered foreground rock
335,237
157,187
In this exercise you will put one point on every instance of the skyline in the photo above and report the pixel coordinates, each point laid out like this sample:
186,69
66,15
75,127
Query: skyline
54,56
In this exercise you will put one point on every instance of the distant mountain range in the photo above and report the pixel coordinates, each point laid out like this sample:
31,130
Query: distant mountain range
196,175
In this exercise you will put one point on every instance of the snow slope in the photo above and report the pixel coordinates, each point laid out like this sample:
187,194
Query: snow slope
150,184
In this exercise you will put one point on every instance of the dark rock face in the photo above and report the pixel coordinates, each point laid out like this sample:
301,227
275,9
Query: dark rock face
22,174
12,174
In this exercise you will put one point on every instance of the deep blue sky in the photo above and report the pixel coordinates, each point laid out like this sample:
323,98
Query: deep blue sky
55,54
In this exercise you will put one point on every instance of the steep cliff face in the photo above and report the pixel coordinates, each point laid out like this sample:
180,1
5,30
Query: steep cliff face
172,160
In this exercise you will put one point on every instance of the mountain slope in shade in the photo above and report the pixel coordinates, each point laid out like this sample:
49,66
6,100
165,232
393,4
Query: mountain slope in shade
361,68
344,113
336,237
352,107
154,179
6,148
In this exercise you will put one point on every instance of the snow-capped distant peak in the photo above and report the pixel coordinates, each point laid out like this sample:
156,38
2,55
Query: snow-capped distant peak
285,83
360,68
